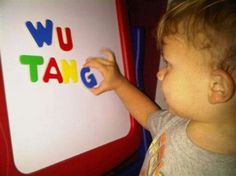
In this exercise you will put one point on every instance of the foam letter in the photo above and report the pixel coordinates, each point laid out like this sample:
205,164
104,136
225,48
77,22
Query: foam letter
88,80
69,70
64,46
41,34
48,75
33,62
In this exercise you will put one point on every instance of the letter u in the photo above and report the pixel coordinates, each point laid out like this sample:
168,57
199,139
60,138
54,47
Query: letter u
63,45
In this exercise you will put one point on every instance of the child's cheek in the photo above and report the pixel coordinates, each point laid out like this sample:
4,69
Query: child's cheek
173,91
166,88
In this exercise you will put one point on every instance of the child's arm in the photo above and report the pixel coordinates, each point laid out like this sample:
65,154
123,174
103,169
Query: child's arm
139,105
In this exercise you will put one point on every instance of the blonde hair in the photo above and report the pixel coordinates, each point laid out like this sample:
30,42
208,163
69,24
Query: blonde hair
208,25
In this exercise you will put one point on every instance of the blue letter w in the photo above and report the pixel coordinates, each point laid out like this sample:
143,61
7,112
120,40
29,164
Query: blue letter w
41,34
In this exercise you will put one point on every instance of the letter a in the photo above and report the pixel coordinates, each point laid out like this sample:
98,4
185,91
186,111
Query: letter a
49,75
41,34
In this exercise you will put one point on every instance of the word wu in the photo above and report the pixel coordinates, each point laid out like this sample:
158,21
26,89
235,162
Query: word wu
43,35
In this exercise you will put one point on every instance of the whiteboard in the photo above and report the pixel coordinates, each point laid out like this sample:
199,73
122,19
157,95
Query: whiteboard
51,121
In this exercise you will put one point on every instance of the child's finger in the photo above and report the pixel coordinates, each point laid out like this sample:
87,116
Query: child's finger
100,66
100,60
92,62
110,55
97,90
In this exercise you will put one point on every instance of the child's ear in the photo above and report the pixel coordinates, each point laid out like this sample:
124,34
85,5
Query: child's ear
221,87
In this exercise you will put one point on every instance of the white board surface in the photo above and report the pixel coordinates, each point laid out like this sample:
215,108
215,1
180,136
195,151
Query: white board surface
50,121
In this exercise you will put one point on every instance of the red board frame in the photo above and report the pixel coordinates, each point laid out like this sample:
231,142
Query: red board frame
96,161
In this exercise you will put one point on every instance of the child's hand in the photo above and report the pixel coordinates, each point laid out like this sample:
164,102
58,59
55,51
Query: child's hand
109,69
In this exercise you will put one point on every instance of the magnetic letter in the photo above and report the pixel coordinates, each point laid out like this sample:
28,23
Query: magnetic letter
41,34
65,46
48,75
33,62
69,70
88,80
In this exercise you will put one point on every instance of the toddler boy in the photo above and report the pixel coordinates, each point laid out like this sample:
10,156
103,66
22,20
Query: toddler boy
196,136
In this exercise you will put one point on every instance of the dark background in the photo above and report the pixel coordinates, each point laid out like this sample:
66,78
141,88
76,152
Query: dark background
146,14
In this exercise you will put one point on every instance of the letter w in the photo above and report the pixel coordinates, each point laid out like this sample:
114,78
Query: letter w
41,34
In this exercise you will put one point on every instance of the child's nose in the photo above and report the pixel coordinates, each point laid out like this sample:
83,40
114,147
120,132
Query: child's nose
161,74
